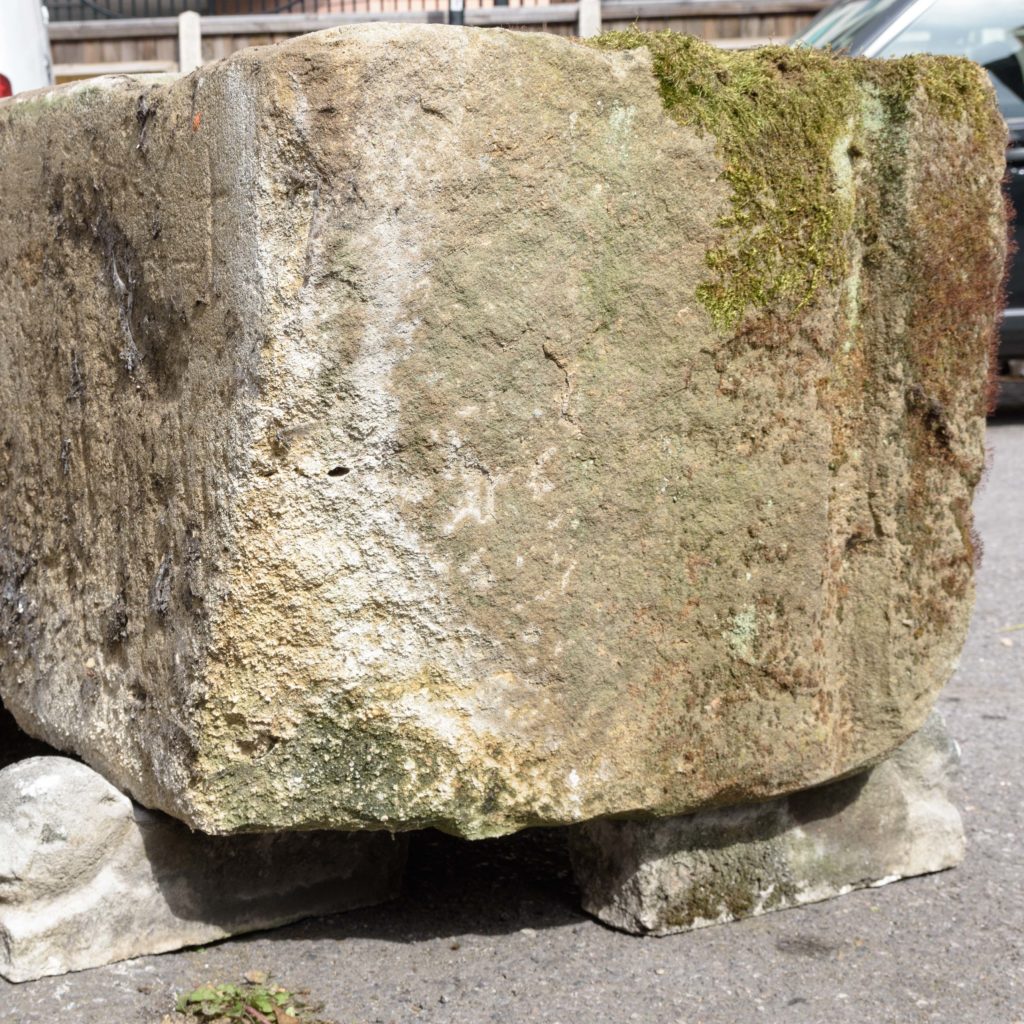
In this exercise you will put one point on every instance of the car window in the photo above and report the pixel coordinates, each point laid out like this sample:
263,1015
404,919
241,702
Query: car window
838,25
991,33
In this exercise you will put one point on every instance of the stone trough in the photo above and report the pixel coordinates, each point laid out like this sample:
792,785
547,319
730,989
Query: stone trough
412,426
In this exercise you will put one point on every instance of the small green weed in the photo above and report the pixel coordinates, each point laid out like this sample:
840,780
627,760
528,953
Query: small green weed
243,1004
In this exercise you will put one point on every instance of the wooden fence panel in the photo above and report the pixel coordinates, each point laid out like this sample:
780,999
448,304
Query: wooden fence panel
218,47
83,49
777,28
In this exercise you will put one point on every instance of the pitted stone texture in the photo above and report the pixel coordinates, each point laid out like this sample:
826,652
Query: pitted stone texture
894,821
87,878
367,457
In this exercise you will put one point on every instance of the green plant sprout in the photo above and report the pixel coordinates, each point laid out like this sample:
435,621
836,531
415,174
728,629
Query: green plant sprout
244,1004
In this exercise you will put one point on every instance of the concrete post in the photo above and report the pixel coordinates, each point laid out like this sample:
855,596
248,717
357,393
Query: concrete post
190,42
589,19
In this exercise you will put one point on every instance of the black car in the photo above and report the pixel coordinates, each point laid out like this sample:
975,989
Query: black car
990,32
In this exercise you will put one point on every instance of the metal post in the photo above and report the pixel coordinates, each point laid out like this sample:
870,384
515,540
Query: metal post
190,42
589,19
456,12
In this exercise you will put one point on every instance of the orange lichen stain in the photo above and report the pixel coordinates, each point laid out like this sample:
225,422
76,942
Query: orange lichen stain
197,120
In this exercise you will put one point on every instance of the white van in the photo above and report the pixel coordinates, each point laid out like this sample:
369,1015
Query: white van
24,47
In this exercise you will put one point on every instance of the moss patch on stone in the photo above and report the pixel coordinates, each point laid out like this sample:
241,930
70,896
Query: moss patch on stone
780,115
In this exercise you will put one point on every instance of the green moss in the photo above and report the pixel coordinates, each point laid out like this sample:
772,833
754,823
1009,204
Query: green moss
776,115
785,121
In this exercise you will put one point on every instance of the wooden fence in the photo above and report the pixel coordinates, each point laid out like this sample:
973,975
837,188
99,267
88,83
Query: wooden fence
82,49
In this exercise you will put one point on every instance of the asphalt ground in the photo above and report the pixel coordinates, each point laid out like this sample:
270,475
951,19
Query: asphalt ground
491,931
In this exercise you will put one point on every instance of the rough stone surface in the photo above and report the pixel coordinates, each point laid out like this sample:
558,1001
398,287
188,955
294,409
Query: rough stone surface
87,878
490,931
371,456
894,821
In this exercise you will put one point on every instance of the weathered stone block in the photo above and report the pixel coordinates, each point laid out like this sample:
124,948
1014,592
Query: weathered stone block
413,426
894,821
87,878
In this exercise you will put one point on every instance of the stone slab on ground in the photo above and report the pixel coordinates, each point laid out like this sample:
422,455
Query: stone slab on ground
895,821
413,425
87,878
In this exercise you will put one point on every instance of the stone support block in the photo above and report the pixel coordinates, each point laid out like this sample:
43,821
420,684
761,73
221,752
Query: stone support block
893,821
88,878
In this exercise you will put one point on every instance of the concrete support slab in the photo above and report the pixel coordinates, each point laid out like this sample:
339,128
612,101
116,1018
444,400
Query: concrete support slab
893,821
88,878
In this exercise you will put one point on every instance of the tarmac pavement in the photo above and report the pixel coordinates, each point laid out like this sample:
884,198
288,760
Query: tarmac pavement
491,931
